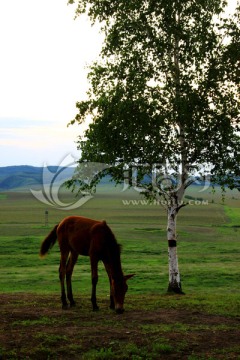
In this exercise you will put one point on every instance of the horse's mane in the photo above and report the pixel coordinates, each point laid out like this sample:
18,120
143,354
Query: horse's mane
111,239
114,249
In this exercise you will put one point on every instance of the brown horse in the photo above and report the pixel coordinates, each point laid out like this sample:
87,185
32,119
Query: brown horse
78,235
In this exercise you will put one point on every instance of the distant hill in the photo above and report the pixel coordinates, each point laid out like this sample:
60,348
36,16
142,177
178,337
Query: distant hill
24,176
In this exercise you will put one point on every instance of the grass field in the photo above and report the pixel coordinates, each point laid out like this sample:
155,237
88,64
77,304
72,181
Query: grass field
209,256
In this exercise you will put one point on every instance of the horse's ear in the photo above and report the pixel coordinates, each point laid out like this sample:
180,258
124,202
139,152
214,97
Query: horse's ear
126,277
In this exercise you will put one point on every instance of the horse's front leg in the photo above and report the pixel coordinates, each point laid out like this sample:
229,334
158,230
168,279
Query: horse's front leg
94,268
112,303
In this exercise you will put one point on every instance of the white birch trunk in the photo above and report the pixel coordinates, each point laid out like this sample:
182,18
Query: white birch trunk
176,197
174,274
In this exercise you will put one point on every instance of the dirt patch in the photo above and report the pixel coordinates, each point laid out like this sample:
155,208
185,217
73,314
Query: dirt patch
35,327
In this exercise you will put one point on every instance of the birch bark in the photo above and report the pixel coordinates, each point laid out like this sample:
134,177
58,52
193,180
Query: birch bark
174,274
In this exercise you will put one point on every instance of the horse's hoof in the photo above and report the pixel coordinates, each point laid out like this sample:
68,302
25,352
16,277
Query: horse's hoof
73,304
119,311
65,307
96,308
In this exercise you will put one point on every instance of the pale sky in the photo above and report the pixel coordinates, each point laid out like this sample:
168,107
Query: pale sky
43,57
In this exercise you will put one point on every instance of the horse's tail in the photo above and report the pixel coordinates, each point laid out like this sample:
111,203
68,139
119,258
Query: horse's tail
48,242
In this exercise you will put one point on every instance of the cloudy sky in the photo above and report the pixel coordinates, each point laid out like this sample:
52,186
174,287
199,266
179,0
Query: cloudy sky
44,53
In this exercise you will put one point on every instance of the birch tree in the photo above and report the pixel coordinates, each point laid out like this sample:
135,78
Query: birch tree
163,101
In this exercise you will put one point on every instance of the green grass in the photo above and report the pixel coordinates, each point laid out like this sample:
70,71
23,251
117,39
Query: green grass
209,256
208,246
233,215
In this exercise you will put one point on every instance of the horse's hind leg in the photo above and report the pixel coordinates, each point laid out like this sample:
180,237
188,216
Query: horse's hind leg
94,268
70,265
62,273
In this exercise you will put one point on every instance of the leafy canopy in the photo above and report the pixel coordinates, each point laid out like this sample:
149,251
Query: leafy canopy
165,94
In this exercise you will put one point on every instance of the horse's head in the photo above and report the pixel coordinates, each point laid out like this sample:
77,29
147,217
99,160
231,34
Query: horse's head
119,289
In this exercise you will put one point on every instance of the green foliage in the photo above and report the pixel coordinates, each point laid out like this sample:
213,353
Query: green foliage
165,91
